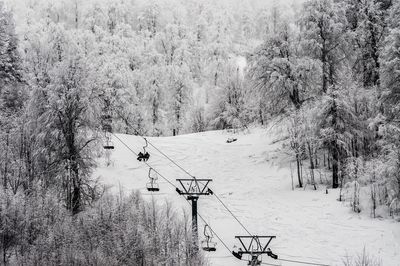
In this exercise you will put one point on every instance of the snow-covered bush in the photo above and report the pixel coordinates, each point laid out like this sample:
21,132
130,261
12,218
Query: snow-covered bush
361,259
36,229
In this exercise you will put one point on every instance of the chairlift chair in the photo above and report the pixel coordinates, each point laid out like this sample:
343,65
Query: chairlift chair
207,244
143,156
230,140
152,186
108,145
271,254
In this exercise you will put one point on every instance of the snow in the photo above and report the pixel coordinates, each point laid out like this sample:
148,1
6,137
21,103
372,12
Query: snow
241,64
309,225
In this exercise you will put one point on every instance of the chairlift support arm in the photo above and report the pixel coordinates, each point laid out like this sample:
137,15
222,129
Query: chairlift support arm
194,189
261,249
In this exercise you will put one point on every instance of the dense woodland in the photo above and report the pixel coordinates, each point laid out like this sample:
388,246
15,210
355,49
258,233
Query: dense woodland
328,70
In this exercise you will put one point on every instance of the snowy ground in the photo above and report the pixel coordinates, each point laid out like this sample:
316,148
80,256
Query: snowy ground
309,225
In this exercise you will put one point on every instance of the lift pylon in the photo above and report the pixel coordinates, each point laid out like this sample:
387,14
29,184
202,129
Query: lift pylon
193,188
255,246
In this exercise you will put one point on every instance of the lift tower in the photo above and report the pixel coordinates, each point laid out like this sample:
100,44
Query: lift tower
193,188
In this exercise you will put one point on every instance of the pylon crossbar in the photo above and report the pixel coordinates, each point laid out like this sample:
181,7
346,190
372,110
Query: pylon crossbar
195,186
254,241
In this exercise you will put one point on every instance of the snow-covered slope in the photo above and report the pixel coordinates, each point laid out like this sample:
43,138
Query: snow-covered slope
310,225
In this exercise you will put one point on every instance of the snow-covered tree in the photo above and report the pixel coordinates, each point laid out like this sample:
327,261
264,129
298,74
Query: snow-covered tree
323,31
13,97
367,23
279,75
390,74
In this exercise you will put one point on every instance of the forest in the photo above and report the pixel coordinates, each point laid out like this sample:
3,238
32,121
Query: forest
326,72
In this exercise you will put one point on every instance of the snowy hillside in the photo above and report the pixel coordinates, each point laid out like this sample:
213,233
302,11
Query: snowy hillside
310,225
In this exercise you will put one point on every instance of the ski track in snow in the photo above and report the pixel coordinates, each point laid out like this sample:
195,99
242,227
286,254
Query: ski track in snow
310,225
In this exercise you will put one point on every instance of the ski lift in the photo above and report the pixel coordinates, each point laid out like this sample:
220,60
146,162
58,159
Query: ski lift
207,244
152,186
108,145
230,140
107,130
143,156
106,120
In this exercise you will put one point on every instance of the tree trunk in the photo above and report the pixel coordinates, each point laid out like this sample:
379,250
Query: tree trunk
324,67
310,154
335,164
335,147
76,188
298,170
6,161
329,160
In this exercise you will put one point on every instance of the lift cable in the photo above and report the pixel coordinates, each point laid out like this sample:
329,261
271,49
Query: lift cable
304,262
219,238
215,194
166,179
120,140
234,216
226,207
172,161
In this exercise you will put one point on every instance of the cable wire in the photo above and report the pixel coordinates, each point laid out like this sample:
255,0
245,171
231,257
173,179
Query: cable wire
234,216
172,161
304,262
201,217
184,170
144,161
226,207
166,179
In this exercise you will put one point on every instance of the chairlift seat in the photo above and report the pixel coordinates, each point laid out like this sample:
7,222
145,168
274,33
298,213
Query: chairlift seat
208,245
152,186
108,147
271,254
237,255
209,249
230,140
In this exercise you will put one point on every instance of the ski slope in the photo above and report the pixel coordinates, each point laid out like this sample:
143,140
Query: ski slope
309,225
